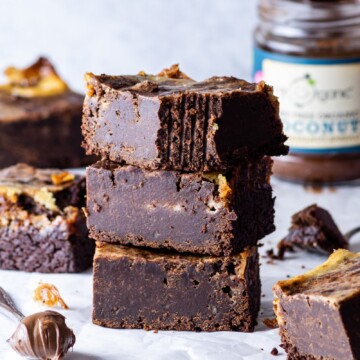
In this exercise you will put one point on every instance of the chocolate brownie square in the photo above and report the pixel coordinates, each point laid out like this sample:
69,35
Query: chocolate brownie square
40,119
140,289
319,312
42,224
205,213
171,122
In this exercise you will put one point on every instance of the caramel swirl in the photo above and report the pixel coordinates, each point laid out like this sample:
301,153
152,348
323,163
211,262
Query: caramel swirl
38,80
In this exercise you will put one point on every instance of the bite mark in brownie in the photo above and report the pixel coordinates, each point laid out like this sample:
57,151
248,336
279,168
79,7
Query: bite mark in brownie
162,122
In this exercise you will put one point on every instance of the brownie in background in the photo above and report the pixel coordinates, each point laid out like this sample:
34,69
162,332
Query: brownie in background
313,229
40,119
42,224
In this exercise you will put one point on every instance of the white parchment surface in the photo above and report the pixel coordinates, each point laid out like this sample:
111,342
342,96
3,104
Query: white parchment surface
94,342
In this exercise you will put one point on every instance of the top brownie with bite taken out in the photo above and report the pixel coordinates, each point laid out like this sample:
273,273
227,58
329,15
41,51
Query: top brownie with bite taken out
171,122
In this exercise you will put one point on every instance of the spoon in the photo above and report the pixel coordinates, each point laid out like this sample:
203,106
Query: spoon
43,335
7,304
351,233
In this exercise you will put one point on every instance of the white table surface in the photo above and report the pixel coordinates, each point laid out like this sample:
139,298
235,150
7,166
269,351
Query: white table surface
95,342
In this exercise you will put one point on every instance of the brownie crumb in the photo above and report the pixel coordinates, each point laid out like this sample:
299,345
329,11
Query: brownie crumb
313,188
271,323
282,247
274,351
271,254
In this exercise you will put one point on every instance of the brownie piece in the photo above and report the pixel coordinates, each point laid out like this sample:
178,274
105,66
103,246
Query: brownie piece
42,225
40,119
319,312
314,229
163,122
206,213
139,289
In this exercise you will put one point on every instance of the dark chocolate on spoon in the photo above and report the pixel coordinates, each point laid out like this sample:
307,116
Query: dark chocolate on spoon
43,335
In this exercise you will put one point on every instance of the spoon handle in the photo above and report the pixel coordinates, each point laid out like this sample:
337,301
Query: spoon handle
7,304
351,233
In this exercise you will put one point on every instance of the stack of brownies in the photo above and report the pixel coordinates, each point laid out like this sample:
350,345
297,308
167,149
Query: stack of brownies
180,199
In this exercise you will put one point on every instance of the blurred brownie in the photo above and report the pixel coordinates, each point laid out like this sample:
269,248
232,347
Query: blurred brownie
171,122
313,229
42,224
139,289
319,312
204,213
40,119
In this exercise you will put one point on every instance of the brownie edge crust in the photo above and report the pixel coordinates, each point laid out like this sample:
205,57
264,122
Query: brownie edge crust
140,289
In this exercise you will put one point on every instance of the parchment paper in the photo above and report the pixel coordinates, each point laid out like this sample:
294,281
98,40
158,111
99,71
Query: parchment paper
94,342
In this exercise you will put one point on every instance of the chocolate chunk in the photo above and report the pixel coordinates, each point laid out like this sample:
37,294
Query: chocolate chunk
42,225
161,122
313,229
208,213
136,288
318,312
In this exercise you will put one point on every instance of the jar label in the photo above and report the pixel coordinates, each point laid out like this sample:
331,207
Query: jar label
319,100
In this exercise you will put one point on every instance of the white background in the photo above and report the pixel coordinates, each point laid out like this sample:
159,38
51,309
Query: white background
207,37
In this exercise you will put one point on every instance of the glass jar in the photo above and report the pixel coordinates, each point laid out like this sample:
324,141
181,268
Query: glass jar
310,52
